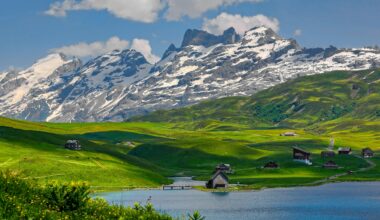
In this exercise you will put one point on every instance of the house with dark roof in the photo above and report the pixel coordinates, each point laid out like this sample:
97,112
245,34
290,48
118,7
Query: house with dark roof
301,155
344,150
271,165
73,145
327,153
289,134
218,180
330,165
224,167
367,152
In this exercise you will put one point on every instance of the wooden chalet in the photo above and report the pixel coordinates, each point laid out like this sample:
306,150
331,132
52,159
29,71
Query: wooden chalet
218,180
301,155
73,145
327,153
367,152
330,165
344,150
225,168
289,134
271,165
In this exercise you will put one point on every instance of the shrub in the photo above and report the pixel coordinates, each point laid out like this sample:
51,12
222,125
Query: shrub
21,198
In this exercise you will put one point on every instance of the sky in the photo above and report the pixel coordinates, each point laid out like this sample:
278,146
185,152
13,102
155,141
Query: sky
87,28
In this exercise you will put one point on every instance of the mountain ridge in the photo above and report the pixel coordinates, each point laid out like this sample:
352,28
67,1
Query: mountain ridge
121,84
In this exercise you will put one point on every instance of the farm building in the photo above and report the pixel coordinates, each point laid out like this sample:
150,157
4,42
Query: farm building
301,155
327,153
344,150
330,165
218,180
367,152
226,168
73,145
289,134
271,165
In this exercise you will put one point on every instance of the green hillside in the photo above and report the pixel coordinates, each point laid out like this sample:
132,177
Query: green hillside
297,103
242,131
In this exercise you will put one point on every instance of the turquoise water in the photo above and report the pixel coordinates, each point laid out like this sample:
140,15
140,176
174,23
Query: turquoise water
330,201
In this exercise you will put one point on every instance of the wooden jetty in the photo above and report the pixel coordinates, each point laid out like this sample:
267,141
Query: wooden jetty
174,187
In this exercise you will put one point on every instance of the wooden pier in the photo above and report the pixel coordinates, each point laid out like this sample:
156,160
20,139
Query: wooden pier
174,187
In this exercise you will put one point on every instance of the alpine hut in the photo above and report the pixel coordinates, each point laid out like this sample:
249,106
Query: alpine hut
327,153
367,152
301,155
73,145
344,150
218,180
330,165
271,165
223,167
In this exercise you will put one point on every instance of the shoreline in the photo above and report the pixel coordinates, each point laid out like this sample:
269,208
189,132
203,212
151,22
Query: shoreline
248,189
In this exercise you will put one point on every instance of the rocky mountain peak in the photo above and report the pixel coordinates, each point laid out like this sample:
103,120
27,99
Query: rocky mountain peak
260,35
198,37
230,36
172,48
202,38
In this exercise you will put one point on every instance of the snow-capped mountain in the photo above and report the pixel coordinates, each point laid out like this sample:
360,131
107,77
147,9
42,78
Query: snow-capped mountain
121,84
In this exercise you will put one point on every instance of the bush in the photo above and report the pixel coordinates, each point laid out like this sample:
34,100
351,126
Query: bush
21,198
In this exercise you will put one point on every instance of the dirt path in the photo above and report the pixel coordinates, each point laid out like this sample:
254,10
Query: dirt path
328,179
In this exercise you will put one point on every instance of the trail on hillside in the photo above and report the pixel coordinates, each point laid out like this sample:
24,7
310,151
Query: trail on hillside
6,162
328,179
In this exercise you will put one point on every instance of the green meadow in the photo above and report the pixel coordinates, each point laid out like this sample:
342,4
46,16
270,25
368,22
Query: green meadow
242,131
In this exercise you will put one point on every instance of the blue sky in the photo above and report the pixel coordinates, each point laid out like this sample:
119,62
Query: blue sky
29,32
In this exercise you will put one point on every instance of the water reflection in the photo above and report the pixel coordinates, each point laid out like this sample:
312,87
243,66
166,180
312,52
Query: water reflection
331,201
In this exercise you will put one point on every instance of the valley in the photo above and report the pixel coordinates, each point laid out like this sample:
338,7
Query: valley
145,151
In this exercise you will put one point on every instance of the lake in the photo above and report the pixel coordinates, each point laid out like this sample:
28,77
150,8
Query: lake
351,200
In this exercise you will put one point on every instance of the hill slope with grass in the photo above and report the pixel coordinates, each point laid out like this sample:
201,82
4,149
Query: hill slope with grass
297,103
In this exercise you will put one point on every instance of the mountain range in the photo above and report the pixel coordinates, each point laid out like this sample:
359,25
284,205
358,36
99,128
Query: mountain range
122,84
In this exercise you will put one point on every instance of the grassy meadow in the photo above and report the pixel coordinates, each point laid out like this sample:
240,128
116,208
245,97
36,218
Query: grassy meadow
159,150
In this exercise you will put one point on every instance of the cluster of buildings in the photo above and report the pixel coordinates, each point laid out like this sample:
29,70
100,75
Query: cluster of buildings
73,145
304,156
219,178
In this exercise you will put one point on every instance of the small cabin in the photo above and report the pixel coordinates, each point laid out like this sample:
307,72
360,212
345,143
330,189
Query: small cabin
367,152
301,155
327,153
218,180
330,165
73,145
344,150
223,167
289,134
271,165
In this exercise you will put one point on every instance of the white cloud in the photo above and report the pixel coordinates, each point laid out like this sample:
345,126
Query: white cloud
143,10
83,49
240,23
297,32
97,48
137,10
195,8
143,46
